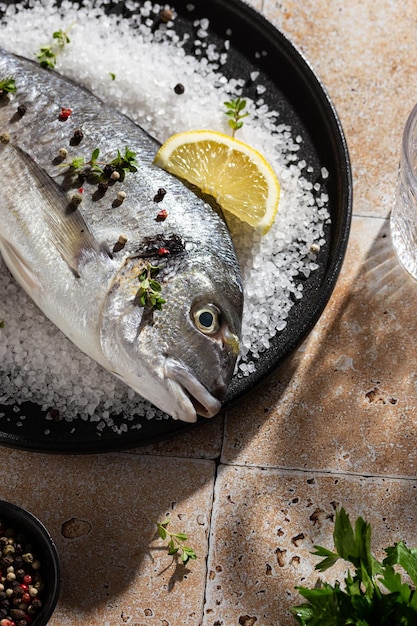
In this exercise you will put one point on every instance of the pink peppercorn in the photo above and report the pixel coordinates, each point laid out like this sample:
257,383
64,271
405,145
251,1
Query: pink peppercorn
64,115
162,215
163,251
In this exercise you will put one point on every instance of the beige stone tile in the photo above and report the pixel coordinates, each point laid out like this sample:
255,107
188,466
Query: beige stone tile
265,524
364,52
117,571
202,441
346,401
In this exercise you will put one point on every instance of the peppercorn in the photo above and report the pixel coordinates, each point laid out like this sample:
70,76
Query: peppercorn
76,200
108,170
119,245
27,557
18,549
17,614
160,195
102,187
7,560
162,215
18,561
77,136
166,15
35,605
26,598
62,153
179,89
18,592
21,109
64,114
4,138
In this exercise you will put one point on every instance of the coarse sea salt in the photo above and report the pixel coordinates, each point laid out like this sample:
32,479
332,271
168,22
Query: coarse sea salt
37,362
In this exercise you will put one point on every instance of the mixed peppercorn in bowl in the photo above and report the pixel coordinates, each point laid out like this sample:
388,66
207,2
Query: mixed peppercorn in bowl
29,569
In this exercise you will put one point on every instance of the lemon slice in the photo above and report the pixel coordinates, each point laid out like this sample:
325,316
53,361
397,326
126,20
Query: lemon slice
238,177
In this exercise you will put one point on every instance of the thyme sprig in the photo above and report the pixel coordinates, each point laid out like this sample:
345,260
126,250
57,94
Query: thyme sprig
175,542
7,85
149,292
235,112
122,163
126,162
47,55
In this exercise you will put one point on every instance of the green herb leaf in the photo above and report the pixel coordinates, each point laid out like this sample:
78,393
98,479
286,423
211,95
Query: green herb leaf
329,560
112,75
399,554
234,110
162,532
149,290
126,162
94,156
47,54
7,85
362,601
77,163
2,324
175,545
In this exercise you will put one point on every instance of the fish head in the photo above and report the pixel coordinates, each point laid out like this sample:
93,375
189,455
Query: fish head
181,357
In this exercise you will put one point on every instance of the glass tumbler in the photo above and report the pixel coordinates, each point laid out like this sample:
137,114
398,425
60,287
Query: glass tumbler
403,219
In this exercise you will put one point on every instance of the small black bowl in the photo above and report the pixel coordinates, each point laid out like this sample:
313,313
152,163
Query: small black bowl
44,547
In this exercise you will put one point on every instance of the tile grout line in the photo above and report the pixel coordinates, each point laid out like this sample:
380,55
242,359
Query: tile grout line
298,470
218,464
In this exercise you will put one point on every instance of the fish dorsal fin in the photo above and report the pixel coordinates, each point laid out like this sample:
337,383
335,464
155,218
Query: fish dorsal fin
69,231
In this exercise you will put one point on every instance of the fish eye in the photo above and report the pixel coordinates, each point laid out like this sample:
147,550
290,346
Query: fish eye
207,318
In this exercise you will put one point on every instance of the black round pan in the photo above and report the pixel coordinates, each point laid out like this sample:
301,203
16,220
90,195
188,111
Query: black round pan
297,93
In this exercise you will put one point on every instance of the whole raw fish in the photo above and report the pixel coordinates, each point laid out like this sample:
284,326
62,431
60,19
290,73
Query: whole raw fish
82,251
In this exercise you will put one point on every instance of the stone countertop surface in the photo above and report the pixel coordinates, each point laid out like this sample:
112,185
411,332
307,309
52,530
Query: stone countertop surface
335,425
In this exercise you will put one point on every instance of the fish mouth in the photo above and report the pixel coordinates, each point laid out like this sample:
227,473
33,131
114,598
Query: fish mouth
193,398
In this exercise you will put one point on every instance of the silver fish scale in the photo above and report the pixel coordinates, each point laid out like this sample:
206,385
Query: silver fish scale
168,357
41,134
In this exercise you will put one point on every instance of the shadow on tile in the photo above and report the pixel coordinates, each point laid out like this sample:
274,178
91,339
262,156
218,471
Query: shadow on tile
101,511
345,401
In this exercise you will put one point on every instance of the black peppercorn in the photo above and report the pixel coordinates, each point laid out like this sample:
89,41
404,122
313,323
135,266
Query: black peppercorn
76,137
102,187
17,614
21,109
108,170
179,89
160,195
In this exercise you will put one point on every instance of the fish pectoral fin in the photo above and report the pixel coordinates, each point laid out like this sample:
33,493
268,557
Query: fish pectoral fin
19,268
69,231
